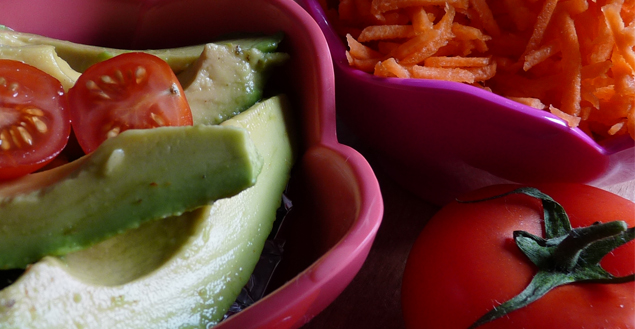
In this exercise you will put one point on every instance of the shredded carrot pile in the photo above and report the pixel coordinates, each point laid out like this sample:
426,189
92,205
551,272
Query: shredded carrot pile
574,58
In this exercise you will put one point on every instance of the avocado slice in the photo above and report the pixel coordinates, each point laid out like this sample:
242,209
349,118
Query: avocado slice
81,56
226,80
134,177
179,272
44,58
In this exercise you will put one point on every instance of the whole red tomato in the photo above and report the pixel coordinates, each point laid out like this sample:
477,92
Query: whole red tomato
466,263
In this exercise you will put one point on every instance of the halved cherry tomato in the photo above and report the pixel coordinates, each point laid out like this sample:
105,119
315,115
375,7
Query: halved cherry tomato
130,91
34,121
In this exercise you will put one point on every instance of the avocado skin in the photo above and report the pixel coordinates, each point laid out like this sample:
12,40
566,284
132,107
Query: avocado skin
179,272
132,178
267,43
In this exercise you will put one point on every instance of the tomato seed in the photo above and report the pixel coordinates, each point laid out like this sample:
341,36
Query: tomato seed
158,119
140,74
113,132
40,125
15,137
4,141
24,134
21,134
94,88
34,111
119,76
107,79
91,85
33,117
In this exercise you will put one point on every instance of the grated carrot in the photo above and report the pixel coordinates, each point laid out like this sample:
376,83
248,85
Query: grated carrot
419,47
359,50
421,22
395,68
540,27
573,58
617,127
518,12
486,17
366,65
442,73
382,6
386,32
387,47
624,38
540,55
529,101
483,73
572,65
456,61
572,120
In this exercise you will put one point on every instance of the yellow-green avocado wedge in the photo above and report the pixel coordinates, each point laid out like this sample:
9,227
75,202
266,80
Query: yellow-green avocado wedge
137,176
180,272
44,58
226,80
81,56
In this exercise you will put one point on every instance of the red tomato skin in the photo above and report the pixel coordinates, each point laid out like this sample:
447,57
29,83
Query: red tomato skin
37,90
465,262
126,101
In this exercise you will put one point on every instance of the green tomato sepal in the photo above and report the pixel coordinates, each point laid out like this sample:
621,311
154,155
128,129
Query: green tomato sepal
565,256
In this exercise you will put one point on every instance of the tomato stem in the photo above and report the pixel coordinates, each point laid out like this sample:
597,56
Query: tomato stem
567,252
564,256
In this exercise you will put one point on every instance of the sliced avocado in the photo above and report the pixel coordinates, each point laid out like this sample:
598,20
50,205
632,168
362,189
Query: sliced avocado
81,56
179,272
262,42
226,80
44,58
132,178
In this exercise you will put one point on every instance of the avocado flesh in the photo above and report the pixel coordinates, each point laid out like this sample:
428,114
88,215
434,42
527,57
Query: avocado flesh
179,272
44,58
81,56
134,177
226,80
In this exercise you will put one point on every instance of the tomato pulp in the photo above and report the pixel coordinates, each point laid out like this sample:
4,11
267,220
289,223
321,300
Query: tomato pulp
34,120
129,91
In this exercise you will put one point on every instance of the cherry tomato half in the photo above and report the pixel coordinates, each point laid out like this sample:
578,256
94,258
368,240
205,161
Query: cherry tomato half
465,263
34,121
130,91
